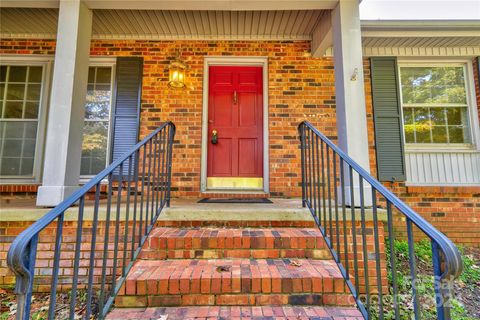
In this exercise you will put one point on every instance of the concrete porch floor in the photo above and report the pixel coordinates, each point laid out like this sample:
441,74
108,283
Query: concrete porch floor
182,210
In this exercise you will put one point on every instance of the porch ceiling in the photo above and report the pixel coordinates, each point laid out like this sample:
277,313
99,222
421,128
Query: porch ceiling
169,24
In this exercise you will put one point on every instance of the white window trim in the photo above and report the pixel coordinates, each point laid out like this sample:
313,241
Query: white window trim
471,104
46,63
105,62
474,146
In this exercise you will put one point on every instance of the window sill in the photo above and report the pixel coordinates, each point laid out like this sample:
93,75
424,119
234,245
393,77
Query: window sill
443,148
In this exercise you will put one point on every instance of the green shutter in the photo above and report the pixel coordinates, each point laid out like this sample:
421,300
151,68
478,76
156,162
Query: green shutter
128,92
387,119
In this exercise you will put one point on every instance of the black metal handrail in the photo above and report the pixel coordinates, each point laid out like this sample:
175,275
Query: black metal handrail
327,173
143,178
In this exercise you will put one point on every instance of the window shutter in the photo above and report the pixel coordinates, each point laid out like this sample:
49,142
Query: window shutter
478,70
387,119
128,92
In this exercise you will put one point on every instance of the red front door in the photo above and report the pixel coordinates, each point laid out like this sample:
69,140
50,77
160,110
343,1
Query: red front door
235,112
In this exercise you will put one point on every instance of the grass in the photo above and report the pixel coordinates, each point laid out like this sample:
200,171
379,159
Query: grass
424,282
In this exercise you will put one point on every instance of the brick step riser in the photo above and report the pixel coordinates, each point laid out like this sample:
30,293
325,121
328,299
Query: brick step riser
297,299
235,224
150,254
195,239
226,284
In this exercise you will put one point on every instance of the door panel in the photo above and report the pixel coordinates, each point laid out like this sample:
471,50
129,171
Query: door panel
247,103
246,167
223,153
221,116
235,111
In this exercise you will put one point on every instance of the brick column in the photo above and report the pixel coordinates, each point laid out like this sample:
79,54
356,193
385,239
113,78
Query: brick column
67,105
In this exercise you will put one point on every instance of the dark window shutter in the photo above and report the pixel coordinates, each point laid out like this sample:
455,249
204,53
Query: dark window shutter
478,70
128,92
387,118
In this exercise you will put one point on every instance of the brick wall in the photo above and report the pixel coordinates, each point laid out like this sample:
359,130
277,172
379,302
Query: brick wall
300,87
46,248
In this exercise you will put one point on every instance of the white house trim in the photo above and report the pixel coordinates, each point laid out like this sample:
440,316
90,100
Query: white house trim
234,61
46,63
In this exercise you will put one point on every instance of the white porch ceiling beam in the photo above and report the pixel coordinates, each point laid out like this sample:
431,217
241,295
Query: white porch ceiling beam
235,5
322,37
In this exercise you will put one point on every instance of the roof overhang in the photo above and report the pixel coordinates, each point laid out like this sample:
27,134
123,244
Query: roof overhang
231,5
261,24
424,35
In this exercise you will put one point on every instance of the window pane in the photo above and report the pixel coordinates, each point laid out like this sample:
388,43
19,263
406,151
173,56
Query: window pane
17,143
13,109
437,115
31,110
439,134
423,134
17,74
421,116
433,85
94,148
97,111
408,125
2,90
3,73
33,92
15,91
12,148
91,75
104,75
35,74
409,134
456,116
456,134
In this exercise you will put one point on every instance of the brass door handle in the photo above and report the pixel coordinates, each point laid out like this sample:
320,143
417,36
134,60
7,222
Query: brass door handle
235,99
214,137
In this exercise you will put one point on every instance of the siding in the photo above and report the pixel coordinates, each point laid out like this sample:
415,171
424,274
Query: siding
443,168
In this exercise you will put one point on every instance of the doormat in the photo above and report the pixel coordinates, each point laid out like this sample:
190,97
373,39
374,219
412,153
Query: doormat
235,200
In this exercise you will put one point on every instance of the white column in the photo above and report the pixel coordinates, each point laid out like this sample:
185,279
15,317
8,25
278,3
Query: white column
67,104
350,94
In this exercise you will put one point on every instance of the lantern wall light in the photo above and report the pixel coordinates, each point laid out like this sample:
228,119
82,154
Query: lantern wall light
176,73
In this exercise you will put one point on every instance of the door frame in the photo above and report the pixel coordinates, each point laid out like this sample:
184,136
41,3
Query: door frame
234,61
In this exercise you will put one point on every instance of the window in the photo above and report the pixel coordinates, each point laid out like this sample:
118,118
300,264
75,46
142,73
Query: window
95,147
435,104
20,110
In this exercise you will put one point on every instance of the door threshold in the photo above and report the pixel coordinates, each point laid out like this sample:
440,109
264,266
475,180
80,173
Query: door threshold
230,191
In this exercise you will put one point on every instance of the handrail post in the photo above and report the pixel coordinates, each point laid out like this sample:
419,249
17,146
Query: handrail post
169,166
301,132
24,283
442,286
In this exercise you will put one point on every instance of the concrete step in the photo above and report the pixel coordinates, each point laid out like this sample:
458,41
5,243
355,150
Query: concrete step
214,243
280,213
155,283
237,312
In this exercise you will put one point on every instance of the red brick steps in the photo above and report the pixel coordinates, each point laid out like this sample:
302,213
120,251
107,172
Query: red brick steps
246,312
233,282
214,243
